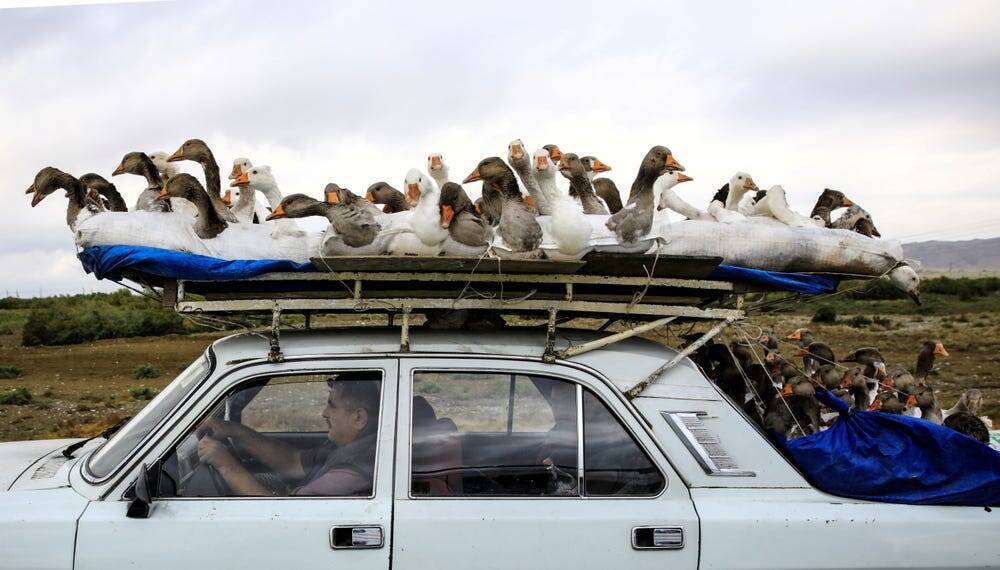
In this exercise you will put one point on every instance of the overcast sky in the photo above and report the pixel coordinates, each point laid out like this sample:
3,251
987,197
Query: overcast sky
895,103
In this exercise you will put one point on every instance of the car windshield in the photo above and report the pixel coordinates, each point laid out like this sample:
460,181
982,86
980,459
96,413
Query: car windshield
112,452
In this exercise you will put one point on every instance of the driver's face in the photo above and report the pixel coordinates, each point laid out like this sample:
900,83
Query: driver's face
344,424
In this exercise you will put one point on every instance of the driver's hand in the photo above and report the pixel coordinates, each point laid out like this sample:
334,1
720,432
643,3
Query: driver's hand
218,429
214,453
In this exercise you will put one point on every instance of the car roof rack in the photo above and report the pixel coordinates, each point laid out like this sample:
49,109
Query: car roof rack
650,291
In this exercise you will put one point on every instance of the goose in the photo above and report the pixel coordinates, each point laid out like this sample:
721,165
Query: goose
352,231
554,153
517,227
468,234
113,200
518,159
50,179
925,359
333,194
605,188
855,382
437,169
636,219
392,200
717,208
740,185
970,425
874,371
855,218
580,187
906,279
663,187
168,171
828,201
775,204
570,228
814,354
425,200
261,179
923,398
208,224
245,206
240,165
140,164
971,401
198,151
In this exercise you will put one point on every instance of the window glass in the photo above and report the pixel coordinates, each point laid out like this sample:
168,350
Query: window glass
109,455
614,464
494,434
283,436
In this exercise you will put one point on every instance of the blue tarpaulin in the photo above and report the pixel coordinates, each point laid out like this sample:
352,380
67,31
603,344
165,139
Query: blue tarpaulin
108,261
877,456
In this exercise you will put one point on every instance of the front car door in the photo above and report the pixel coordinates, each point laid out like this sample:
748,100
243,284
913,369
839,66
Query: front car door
516,464
335,513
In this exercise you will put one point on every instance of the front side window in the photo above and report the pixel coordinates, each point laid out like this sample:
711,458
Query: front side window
303,435
111,454
504,434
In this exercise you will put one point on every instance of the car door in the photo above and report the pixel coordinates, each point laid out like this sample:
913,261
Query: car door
193,525
517,464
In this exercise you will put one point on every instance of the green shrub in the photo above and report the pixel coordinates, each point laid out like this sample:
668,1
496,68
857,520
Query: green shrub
16,397
860,321
144,371
825,314
142,392
10,372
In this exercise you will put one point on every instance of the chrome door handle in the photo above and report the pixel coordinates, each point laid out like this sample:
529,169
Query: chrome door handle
657,538
356,537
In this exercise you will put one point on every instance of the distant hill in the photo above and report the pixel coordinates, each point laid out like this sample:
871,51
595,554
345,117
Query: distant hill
947,256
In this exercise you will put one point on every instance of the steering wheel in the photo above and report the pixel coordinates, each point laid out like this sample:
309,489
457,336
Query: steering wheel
217,479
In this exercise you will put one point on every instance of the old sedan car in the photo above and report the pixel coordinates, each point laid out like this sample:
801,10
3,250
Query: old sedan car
469,450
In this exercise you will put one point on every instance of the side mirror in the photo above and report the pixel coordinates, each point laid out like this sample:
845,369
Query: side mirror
140,506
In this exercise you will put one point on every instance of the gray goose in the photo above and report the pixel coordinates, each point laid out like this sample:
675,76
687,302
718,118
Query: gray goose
579,184
636,219
468,234
518,158
814,354
113,200
140,164
554,153
209,223
392,200
198,151
355,230
605,188
925,360
50,179
502,200
828,201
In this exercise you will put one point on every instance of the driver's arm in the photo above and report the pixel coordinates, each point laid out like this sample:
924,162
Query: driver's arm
275,454
239,480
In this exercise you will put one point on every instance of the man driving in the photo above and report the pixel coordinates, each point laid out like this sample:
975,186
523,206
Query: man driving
344,466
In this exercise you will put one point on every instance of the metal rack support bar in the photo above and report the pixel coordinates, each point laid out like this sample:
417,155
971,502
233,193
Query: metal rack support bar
611,339
641,385
550,337
275,354
404,330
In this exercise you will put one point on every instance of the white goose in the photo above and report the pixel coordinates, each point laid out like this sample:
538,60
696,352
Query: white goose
437,169
416,231
568,226
260,179
725,203
663,187
775,205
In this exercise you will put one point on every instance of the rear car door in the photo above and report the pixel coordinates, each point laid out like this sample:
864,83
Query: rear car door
313,521
511,464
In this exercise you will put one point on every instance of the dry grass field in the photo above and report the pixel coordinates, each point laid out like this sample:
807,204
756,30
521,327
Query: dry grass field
79,389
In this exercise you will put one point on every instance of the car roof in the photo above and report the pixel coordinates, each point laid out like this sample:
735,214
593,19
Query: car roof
624,362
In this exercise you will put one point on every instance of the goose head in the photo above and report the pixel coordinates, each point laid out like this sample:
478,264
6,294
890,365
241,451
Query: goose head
240,165
192,149
495,171
554,153
382,193
96,182
297,206
333,194
571,166
935,347
257,178
436,166
657,160
670,179
138,163
906,280
833,199
741,183
453,201
517,156
182,186
160,161
593,166
417,186
545,168
47,181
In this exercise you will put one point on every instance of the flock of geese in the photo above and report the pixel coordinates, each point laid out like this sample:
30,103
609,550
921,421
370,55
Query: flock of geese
780,395
576,213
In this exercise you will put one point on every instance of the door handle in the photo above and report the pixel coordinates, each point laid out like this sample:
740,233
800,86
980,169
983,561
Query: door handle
356,537
657,538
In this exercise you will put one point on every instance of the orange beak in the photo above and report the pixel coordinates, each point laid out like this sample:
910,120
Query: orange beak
911,401
475,176
802,352
599,166
278,212
236,172
939,350
179,155
771,357
370,197
227,198
436,162
786,390
672,163
847,202
889,382
555,154
242,180
163,195
38,196
412,193
479,208
796,335
516,151
749,184
447,213
685,178
880,371
120,169
847,381
332,198
876,406
387,209
530,202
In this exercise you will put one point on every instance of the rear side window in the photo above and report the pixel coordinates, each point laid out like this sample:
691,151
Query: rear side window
517,435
